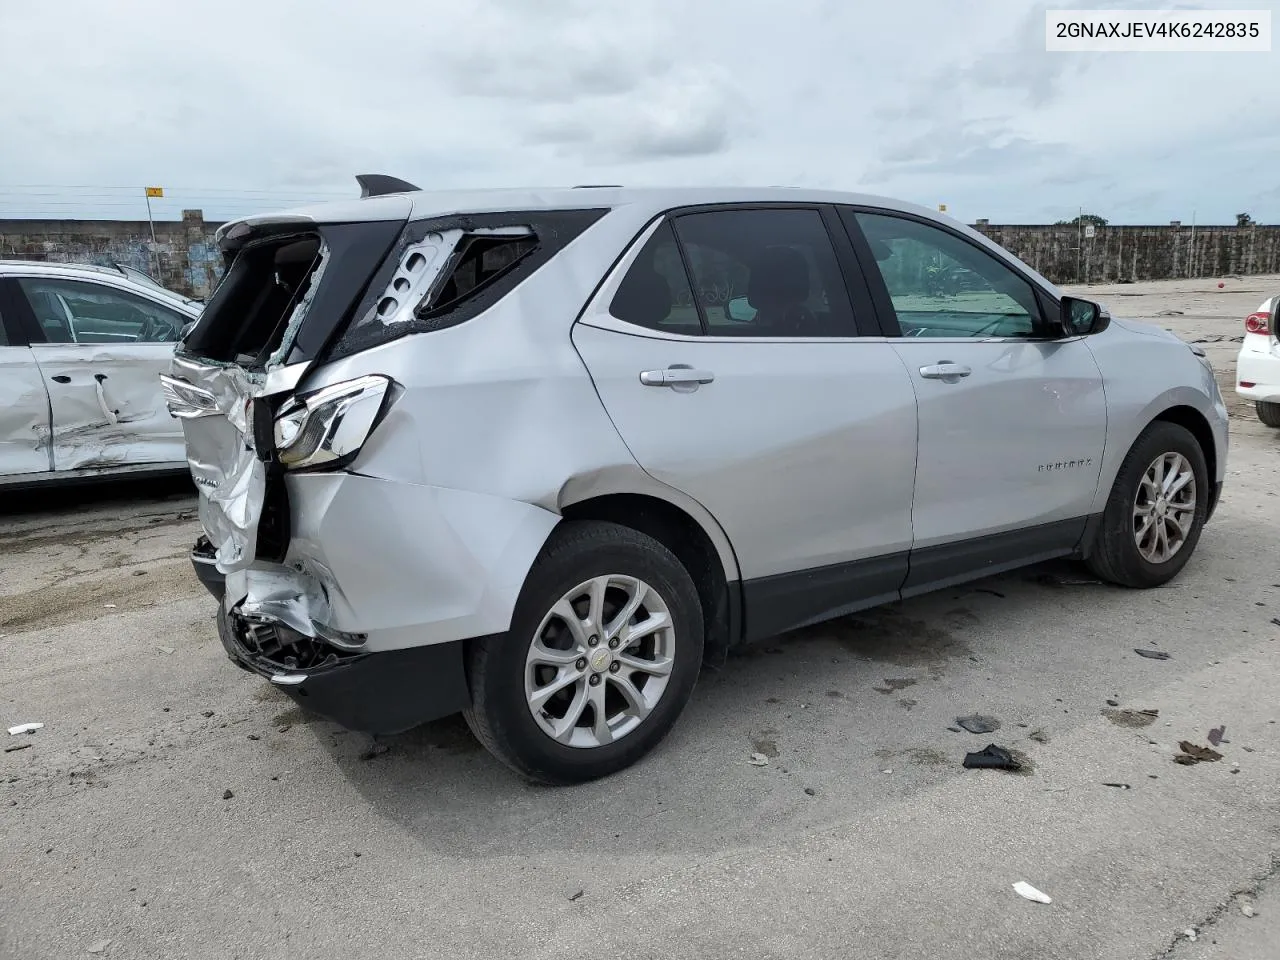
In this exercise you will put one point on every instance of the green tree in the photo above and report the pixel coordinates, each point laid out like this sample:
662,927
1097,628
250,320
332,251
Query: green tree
1244,220
1085,219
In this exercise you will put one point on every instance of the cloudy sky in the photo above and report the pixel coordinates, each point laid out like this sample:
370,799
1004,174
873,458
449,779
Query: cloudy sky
238,106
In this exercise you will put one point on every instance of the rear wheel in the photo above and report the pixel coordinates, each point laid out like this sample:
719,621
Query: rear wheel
1268,413
1156,510
603,653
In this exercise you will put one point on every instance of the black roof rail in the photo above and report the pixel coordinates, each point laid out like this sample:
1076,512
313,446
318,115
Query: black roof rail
379,184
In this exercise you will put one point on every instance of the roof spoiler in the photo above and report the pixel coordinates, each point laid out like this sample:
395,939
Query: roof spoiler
378,184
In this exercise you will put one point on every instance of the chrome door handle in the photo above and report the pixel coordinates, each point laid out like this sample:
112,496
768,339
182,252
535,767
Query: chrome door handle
675,374
945,370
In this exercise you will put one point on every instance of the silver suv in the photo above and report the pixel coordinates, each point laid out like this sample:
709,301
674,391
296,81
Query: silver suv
541,456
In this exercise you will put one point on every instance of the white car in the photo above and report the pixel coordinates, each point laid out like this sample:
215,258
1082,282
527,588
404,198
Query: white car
1258,363
81,352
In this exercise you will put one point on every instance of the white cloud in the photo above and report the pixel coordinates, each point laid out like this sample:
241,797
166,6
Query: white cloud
245,104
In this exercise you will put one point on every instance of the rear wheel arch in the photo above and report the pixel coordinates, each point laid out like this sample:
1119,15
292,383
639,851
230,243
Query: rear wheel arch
682,534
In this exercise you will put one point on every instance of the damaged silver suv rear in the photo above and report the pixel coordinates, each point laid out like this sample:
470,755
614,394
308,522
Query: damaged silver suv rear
381,481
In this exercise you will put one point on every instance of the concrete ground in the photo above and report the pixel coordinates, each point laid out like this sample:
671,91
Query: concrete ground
173,806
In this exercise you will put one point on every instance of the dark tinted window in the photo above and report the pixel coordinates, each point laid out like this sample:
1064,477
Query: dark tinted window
766,273
943,286
71,311
655,292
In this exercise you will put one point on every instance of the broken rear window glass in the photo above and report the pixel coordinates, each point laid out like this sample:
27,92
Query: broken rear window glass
249,312
478,260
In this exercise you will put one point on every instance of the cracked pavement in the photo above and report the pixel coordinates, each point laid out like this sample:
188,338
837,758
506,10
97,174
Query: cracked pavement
861,836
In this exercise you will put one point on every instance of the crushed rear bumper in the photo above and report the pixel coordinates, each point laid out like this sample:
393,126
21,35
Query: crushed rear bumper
376,693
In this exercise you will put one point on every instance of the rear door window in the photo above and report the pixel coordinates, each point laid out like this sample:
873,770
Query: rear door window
766,273
656,292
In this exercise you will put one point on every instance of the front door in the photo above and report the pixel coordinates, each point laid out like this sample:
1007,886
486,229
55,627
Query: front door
101,366
1012,414
755,397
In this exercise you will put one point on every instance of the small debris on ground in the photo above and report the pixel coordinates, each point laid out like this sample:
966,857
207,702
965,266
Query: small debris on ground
758,760
890,770
24,728
377,750
955,729
1216,735
166,650
1151,654
99,947
977,723
253,736
109,606
809,791
1247,909
1131,718
139,573
1113,703
227,794
1039,736
18,746
991,757
284,728
1190,934
1121,786
1275,621
1195,754
577,896
1028,892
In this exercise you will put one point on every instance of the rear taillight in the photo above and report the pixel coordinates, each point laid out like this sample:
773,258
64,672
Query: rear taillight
1257,323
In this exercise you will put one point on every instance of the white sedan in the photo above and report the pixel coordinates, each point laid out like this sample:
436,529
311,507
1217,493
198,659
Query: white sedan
81,352
1258,362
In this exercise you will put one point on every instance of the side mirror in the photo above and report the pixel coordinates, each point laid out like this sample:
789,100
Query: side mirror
1083,317
739,310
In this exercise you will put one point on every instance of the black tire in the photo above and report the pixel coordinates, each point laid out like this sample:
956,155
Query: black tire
1114,554
500,716
1268,413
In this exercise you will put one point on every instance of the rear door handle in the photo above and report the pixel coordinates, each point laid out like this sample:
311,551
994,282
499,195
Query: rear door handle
676,374
60,378
945,370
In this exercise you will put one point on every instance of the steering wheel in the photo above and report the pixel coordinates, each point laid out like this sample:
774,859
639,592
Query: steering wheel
153,330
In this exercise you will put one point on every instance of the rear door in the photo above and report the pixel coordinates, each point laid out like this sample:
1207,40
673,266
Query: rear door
1012,413
24,404
726,348
104,352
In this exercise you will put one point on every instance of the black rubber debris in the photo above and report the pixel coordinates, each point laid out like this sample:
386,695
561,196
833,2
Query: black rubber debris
991,757
1151,654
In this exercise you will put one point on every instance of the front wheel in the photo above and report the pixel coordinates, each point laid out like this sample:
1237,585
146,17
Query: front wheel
1156,510
1268,413
603,653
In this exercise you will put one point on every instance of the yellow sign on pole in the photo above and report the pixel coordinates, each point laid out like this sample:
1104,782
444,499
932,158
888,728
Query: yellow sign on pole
942,208
155,192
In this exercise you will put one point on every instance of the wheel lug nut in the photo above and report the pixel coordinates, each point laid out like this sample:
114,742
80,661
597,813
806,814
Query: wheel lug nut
593,641
613,644
582,663
595,680
615,667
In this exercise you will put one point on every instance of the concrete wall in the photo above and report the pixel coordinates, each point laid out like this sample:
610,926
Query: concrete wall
1065,255
183,258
